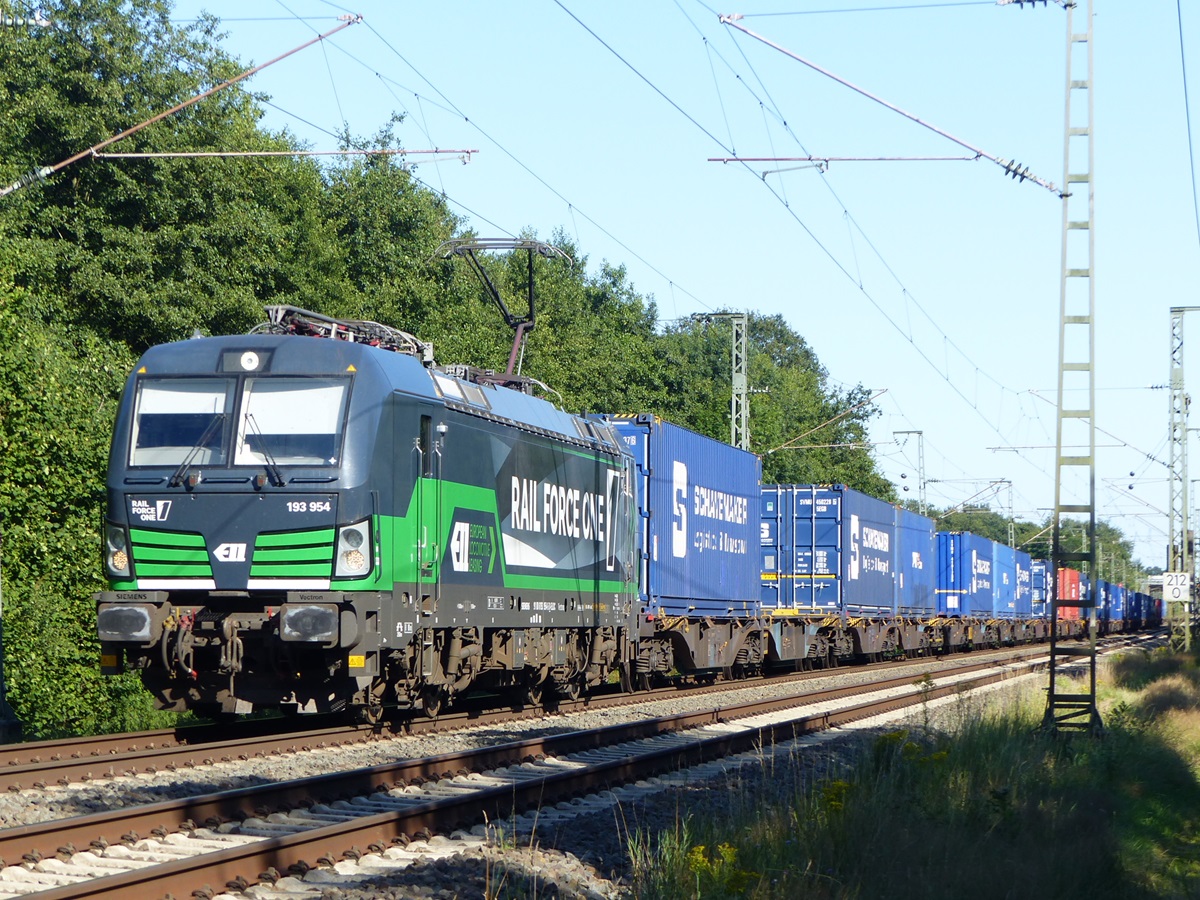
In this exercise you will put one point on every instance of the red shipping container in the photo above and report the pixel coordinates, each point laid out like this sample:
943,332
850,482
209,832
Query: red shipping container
1068,591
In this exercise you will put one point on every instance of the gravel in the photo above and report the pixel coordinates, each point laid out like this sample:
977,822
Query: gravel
587,856
57,802
580,857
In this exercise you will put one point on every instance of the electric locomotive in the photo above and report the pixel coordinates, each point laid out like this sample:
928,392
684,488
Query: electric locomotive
316,518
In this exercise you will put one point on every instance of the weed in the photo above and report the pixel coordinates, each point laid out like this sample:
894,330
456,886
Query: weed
900,816
718,874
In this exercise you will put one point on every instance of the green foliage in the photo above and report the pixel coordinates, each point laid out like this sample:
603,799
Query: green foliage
386,227
717,872
1111,819
147,250
806,431
60,391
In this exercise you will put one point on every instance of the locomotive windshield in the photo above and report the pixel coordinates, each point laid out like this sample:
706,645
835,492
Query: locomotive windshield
175,417
279,421
290,421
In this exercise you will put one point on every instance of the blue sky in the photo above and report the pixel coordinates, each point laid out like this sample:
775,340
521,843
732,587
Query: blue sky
937,282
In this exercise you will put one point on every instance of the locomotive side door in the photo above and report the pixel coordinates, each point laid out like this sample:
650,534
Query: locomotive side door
429,515
427,520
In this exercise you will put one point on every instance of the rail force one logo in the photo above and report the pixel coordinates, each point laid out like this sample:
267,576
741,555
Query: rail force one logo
563,511
150,510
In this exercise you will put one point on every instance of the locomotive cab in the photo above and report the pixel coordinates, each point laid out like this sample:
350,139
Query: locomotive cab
238,521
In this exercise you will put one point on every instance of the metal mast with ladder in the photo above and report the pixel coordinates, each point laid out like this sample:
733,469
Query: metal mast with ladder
1071,710
739,402
1177,578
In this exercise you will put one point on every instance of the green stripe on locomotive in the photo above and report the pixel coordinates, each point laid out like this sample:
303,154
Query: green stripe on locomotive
166,554
294,554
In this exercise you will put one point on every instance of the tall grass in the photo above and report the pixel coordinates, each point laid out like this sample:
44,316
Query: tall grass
988,806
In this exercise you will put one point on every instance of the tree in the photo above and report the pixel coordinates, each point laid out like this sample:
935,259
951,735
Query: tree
148,250
60,388
806,431
388,228
98,262
594,341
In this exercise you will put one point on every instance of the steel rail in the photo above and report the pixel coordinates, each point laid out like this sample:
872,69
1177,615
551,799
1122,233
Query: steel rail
65,836
268,858
39,764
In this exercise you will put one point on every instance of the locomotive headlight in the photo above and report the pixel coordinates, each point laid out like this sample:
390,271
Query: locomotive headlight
353,550
116,551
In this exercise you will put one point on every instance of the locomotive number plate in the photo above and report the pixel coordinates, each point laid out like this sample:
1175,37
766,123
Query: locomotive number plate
304,506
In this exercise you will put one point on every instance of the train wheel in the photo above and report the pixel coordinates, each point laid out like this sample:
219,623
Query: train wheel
568,690
432,698
369,715
534,694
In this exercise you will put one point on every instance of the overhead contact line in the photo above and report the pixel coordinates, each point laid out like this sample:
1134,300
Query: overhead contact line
1011,167
46,171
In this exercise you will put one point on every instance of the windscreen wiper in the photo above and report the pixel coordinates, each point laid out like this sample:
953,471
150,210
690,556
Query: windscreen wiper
184,467
269,463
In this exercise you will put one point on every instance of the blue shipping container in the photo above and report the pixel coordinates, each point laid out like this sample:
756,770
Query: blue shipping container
1118,597
1004,581
1024,565
699,534
1103,597
964,574
1039,594
777,591
1136,606
833,549
916,564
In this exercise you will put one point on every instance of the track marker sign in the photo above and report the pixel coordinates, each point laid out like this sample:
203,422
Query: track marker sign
1177,586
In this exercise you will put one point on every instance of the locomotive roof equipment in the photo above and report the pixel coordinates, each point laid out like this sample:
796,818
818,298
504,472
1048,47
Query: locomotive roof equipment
521,324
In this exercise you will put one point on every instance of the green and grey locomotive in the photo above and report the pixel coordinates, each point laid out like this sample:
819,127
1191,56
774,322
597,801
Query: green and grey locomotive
316,518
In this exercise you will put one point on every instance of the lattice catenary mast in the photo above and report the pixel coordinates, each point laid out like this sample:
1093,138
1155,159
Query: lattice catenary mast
1071,710
1177,581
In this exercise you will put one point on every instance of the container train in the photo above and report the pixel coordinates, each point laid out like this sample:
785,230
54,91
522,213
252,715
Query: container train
314,517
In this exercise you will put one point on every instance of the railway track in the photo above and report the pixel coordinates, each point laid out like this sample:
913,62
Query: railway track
38,765
268,832
80,760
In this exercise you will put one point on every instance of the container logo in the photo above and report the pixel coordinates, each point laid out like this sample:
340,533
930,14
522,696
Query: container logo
981,573
853,547
679,523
